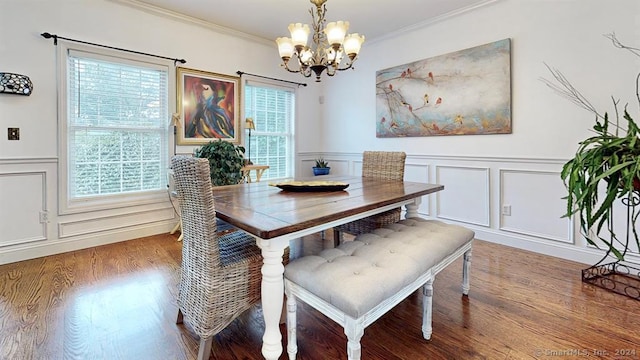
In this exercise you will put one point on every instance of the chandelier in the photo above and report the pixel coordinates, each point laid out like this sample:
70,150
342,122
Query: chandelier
330,44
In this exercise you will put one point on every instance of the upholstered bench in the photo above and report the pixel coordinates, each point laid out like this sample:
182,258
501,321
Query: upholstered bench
359,281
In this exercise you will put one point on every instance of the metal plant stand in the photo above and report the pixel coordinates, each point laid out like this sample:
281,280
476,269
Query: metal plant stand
619,277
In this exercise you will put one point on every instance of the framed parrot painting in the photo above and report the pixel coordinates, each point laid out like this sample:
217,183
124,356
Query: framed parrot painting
208,105
467,92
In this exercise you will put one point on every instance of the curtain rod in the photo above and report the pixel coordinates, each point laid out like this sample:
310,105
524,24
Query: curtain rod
270,78
46,35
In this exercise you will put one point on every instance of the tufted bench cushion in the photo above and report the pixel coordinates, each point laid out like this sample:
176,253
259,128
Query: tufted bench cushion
358,275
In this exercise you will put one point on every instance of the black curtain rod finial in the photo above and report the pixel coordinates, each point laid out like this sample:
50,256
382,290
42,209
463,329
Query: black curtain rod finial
46,35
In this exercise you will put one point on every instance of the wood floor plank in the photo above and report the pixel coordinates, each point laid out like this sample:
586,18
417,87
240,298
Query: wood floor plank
118,301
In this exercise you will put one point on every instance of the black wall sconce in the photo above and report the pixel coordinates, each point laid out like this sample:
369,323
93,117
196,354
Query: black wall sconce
15,84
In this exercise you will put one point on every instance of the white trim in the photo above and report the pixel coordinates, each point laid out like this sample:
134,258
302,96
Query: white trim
487,197
570,221
87,229
28,160
432,21
43,235
585,255
155,10
427,168
505,159
89,204
39,249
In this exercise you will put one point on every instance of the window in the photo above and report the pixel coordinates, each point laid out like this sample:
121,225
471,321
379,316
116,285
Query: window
272,110
115,138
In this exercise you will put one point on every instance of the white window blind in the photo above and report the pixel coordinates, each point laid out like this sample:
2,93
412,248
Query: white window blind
117,115
272,110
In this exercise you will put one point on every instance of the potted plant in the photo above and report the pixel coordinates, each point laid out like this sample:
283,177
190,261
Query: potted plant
604,171
225,161
321,168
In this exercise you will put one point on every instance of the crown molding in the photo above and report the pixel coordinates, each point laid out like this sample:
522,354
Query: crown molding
155,10
433,20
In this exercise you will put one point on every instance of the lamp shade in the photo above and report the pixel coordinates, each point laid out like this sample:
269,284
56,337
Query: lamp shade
285,47
299,34
336,31
249,124
175,120
352,43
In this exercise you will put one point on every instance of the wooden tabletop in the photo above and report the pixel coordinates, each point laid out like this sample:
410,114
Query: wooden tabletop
267,212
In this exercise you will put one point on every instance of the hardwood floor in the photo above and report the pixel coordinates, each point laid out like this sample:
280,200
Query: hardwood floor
118,302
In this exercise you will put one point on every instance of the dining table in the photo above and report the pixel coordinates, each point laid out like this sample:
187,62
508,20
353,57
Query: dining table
276,214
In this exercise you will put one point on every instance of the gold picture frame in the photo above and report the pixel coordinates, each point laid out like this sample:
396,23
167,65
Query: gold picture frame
209,107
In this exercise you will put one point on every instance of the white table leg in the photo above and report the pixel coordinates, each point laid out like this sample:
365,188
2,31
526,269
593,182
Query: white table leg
272,298
412,208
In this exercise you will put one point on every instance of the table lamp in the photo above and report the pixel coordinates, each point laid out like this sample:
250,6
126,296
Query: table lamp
249,124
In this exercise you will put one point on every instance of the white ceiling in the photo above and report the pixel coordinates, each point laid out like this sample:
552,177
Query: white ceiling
268,19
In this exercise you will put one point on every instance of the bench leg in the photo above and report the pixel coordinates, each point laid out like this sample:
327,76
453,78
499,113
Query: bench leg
354,329
466,267
292,342
427,309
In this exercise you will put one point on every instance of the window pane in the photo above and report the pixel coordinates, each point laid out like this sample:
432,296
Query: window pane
117,126
271,142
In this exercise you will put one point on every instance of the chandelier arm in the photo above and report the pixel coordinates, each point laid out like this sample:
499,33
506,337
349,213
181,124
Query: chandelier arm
305,71
349,66
319,55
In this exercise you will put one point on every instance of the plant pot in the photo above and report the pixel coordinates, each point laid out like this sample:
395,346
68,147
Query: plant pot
321,171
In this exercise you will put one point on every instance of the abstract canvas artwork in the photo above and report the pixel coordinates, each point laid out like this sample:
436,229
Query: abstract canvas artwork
208,104
467,92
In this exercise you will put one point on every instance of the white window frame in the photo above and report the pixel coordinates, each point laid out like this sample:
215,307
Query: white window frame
103,202
259,82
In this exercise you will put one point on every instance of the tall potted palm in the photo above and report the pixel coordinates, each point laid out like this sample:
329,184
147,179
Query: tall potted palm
605,171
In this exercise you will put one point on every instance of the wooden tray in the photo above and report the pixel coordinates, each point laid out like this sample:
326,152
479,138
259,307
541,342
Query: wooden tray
311,186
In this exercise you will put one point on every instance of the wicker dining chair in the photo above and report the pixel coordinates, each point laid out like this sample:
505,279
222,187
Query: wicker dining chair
220,271
385,165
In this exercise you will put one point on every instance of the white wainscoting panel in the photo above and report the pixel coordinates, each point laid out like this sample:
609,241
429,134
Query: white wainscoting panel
22,201
419,173
536,205
356,167
338,166
117,221
465,196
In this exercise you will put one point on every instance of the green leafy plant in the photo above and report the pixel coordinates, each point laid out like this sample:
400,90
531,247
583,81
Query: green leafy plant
604,170
225,161
321,163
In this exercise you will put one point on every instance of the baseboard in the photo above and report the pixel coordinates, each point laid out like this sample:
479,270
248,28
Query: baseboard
52,247
588,256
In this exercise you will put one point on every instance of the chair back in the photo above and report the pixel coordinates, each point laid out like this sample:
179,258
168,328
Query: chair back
220,271
385,165
200,250
173,194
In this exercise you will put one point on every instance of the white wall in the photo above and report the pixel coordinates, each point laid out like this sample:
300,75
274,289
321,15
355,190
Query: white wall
29,167
482,173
